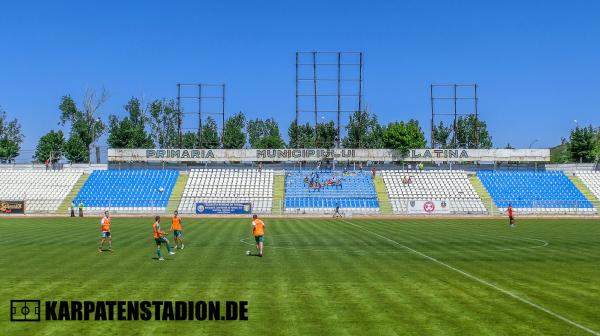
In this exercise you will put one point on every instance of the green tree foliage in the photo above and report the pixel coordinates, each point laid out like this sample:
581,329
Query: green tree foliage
210,134
233,133
163,120
596,150
441,135
326,135
468,137
363,131
130,132
560,154
264,134
189,140
301,136
50,147
75,150
582,144
10,137
404,136
85,126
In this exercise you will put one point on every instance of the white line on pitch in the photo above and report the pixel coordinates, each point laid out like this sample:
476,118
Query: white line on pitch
473,277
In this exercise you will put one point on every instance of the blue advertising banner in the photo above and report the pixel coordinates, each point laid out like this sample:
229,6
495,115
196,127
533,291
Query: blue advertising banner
223,208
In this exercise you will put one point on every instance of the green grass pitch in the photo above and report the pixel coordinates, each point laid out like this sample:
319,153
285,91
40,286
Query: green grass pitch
318,276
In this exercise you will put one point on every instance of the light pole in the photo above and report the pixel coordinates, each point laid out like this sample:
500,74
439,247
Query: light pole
93,139
531,144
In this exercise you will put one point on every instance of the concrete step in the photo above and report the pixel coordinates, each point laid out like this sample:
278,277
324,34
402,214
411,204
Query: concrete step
385,206
66,203
278,194
177,192
483,194
584,190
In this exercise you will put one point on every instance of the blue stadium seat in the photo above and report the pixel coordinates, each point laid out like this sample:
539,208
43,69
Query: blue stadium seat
128,188
533,189
356,192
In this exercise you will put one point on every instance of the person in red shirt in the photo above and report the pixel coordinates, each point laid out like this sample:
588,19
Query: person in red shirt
511,218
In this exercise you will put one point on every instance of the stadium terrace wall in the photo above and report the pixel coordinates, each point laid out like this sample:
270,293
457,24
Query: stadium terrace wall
319,154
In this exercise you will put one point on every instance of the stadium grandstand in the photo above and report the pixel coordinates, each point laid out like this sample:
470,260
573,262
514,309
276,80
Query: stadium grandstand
535,192
127,191
228,186
126,187
43,191
323,191
453,187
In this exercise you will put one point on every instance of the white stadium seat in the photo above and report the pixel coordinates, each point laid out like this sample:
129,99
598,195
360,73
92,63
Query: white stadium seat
454,186
229,186
42,191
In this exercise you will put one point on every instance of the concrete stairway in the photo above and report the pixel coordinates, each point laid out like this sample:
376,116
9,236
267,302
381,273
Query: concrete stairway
385,207
175,198
66,203
278,194
584,190
483,194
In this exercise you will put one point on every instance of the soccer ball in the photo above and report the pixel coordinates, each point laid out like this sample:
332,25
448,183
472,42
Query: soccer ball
161,189
248,253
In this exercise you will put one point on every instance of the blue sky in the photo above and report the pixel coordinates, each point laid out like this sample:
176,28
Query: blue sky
537,63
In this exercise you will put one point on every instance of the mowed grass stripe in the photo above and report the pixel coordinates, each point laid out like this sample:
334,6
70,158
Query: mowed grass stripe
553,313
339,280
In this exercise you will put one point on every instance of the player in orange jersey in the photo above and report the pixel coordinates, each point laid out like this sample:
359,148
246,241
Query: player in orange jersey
105,232
258,230
176,229
159,238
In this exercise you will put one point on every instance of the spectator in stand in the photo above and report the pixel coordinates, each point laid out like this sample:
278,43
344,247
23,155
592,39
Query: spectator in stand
373,172
47,164
306,180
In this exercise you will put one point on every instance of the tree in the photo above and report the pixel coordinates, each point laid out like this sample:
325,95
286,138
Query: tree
233,133
404,136
560,153
50,147
581,144
326,134
210,134
10,137
596,150
189,140
364,131
264,134
441,136
163,120
130,132
301,136
471,133
85,125
75,150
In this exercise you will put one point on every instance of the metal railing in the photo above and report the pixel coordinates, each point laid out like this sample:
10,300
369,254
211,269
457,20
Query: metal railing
272,206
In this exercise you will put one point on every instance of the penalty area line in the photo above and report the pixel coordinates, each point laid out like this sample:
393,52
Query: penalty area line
482,281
